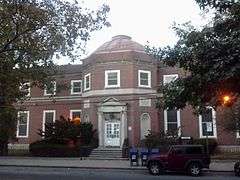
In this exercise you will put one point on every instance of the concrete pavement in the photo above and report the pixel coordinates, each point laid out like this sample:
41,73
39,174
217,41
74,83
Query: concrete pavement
216,165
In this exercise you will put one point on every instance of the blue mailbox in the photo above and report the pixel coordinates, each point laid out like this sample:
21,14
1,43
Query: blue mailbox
144,154
133,155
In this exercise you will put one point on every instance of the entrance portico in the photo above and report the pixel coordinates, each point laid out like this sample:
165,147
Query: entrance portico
112,123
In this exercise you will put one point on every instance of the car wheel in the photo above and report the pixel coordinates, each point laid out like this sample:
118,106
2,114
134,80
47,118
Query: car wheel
194,169
155,168
237,169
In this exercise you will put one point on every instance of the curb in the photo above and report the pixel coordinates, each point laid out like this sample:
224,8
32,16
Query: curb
74,167
91,167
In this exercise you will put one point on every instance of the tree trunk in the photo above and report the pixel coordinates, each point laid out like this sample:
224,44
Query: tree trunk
3,148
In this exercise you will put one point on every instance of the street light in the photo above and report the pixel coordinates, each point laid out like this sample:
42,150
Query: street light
226,99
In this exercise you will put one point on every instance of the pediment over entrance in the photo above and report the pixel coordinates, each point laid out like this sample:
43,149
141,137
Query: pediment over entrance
112,105
112,102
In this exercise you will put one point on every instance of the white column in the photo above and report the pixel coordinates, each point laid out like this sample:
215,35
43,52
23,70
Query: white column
100,129
123,126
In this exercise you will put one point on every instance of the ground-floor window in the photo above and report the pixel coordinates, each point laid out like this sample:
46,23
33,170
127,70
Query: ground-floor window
49,116
207,123
23,124
172,122
76,113
145,124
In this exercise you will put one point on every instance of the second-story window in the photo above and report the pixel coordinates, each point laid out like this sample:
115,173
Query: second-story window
144,78
169,78
87,82
76,86
112,78
50,89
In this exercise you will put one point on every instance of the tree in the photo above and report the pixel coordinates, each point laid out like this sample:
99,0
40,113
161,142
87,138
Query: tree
32,32
210,57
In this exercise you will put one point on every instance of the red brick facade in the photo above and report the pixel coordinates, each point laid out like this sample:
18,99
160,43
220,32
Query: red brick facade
127,56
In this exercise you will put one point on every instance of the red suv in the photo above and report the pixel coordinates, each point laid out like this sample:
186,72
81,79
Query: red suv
186,158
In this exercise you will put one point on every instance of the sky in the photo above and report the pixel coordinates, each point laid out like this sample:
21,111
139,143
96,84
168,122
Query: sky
143,20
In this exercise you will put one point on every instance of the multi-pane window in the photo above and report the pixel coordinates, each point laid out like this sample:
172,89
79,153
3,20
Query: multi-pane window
207,123
144,78
145,125
169,78
87,82
48,117
50,89
76,86
112,78
75,113
172,121
171,117
22,125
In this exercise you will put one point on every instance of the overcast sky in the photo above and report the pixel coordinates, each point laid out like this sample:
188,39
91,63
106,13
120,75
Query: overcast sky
143,20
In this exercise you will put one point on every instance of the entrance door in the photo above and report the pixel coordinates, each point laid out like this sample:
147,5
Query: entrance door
112,134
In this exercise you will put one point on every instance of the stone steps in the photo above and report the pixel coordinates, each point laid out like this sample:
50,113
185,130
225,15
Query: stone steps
108,154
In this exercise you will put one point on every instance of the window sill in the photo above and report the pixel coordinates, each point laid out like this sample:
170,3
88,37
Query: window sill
111,87
141,86
209,137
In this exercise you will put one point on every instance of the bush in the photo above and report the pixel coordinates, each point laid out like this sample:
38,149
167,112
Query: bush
65,138
65,130
212,144
160,139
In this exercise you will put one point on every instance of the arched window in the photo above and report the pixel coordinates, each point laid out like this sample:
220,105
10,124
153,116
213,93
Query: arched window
86,118
145,124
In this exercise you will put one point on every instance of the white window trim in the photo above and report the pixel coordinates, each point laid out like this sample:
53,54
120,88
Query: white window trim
73,81
213,122
106,78
54,89
238,134
18,136
85,77
141,122
178,122
168,75
74,110
149,78
44,115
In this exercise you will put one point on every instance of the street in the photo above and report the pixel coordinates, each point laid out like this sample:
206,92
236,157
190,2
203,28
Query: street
35,173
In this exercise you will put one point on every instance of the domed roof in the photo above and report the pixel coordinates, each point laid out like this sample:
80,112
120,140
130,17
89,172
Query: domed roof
120,43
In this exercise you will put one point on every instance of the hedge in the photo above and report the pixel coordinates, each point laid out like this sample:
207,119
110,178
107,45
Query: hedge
45,149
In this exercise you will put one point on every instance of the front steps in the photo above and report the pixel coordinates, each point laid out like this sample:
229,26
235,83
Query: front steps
107,154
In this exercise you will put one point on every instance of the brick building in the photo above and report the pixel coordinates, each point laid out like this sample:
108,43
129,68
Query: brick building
115,88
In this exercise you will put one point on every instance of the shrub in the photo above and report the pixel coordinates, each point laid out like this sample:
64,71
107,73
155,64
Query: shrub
65,138
212,144
66,130
160,139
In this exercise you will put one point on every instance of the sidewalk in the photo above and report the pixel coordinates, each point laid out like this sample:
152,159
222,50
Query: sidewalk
216,165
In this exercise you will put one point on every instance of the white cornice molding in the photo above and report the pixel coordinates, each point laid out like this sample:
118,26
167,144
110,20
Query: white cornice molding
127,91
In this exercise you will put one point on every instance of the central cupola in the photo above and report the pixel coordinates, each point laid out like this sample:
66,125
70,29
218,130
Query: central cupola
120,43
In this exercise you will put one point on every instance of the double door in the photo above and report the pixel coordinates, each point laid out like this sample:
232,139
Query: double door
112,134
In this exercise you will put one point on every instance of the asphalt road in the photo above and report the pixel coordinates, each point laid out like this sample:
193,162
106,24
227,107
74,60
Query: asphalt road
27,173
